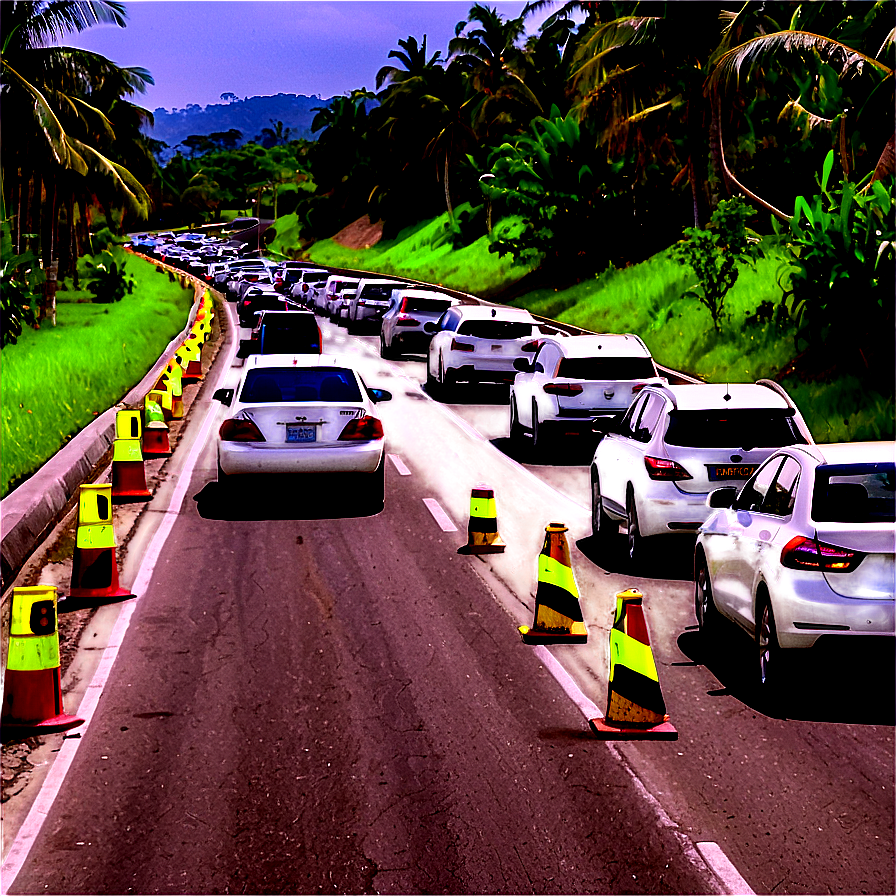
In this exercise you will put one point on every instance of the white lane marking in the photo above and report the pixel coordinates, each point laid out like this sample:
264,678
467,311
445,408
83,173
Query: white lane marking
399,465
39,811
477,436
439,515
723,869
587,707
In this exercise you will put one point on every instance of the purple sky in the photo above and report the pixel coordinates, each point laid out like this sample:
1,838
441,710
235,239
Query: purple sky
198,49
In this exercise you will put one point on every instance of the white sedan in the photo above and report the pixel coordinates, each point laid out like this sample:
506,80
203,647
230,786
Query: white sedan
803,553
302,414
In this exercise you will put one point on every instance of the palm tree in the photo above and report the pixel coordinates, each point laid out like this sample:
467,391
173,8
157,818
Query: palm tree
50,92
863,114
413,57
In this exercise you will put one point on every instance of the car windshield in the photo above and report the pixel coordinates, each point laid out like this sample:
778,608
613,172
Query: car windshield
495,329
854,493
285,384
606,368
741,428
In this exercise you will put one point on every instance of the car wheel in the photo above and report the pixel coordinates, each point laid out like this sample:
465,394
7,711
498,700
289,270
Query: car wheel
432,384
602,527
538,436
446,380
374,488
769,651
384,352
635,539
222,476
704,605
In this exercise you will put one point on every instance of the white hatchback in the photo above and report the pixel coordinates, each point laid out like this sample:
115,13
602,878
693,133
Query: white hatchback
653,469
301,414
574,379
803,553
478,343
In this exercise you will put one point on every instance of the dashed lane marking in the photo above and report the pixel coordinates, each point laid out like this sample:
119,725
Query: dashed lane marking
399,465
439,515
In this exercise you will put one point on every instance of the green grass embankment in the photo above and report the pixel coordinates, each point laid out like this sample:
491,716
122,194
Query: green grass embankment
647,299
57,379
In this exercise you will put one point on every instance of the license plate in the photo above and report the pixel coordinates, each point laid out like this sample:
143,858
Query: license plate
730,471
300,433
497,348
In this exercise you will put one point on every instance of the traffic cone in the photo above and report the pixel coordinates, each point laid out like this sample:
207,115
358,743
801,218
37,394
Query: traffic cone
558,614
128,424
32,685
190,354
128,473
482,530
155,431
635,706
94,567
171,379
164,399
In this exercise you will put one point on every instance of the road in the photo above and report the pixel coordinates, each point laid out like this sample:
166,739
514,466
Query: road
309,700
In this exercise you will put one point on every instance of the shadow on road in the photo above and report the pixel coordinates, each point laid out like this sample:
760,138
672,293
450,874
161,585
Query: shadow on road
667,557
292,499
846,683
568,454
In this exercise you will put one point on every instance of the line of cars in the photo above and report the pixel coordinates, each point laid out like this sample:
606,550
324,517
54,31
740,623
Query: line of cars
792,541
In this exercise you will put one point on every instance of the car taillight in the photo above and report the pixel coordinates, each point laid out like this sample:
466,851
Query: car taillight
461,346
252,278
809,553
637,388
238,429
661,468
562,388
362,428
531,346
403,321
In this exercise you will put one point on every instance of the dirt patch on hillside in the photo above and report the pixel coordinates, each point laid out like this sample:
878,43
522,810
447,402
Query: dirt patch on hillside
361,234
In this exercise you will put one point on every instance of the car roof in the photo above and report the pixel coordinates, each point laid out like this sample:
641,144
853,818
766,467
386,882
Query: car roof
711,396
297,360
496,312
856,452
588,345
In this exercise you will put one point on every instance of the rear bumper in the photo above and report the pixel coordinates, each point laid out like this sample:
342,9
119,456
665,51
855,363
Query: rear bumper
240,458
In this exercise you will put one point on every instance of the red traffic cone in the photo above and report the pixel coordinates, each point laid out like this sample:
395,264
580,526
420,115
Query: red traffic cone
128,472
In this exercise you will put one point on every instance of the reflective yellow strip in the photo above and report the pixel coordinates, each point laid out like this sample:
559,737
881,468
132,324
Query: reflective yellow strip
34,653
126,450
483,507
550,570
631,653
93,536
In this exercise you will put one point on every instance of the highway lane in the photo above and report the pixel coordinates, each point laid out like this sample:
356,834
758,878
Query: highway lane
801,798
351,644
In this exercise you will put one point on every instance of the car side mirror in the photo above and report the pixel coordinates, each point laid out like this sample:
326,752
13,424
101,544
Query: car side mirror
523,365
225,396
431,327
377,395
721,497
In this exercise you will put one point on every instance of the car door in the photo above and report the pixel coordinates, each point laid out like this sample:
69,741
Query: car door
741,545
616,452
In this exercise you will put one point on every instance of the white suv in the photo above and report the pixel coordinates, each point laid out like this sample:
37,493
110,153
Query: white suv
478,343
574,379
653,468
803,554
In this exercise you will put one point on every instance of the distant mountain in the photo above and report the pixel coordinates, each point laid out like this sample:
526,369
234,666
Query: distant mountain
249,116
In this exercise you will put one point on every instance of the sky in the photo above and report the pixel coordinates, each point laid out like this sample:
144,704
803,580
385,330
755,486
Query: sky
198,49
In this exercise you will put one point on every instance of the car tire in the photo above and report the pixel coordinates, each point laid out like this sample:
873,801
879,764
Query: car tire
447,382
635,540
704,604
770,666
223,478
603,528
374,489
384,352
540,437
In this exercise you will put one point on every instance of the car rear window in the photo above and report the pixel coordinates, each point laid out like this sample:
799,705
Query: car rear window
279,336
378,293
419,303
495,329
607,368
283,384
857,493
742,428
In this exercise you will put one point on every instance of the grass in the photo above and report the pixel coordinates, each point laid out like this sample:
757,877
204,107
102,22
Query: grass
57,379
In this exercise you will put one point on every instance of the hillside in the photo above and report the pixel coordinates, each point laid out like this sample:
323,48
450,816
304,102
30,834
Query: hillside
248,115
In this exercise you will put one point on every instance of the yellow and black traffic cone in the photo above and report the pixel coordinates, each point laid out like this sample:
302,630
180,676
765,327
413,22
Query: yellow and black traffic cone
558,614
635,706
482,530
32,687
155,431
94,567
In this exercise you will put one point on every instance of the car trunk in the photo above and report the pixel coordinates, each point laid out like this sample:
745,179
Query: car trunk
302,424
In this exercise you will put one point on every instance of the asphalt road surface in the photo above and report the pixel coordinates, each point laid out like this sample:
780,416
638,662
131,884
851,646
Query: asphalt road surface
311,700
